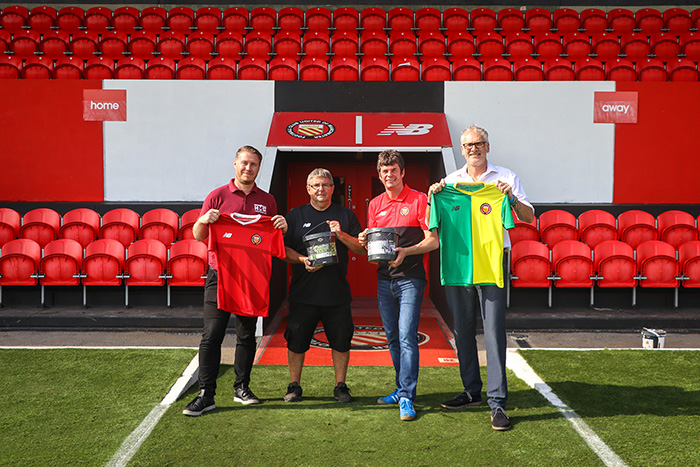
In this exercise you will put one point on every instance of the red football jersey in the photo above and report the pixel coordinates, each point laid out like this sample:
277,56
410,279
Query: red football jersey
244,245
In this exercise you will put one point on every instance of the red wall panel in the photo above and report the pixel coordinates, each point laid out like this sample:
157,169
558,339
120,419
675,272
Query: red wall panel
657,160
48,152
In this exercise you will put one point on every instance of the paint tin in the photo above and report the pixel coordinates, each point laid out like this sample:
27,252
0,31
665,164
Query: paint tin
653,338
381,242
320,248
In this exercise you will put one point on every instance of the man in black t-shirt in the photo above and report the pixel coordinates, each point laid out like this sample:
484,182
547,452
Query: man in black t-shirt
320,292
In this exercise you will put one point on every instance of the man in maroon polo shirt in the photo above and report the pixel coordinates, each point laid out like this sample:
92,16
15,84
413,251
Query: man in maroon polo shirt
240,195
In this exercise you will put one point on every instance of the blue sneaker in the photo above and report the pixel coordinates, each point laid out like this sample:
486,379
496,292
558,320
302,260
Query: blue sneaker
406,409
392,398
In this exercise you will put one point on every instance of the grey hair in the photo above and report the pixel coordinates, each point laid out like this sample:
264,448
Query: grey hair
478,130
319,172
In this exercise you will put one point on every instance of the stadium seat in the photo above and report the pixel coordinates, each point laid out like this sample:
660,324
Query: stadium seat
41,225
635,46
287,44
113,45
490,45
84,44
160,224
125,19
187,221
577,46
428,20
345,44
313,69
10,67
436,69
558,69
593,20
153,19
566,21
527,69
200,44
455,20
145,265
258,44
374,44
635,227
405,69
374,69
497,69
171,44
373,19
657,264
694,17
460,45
690,45
590,69
191,68
649,20
25,44
318,44
538,20
37,67
103,265
614,266
664,46
572,264
229,44
621,21
10,221
283,69
651,69
548,46
606,46
346,19
98,19
142,44
130,68
290,19
5,40
620,69
54,44
682,69
596,226
180,19
19,263
70,19
263,19
344,69
677,20
68,68
13,18
523,231
557,225
221,68
121,224
252,68
81,225
483,20
401,19
689,262
431,45
60,265
99,68
318,19
519,45
207,19
510,20
530,264
187,266
42,19
236,19
402,44
676,227
466,69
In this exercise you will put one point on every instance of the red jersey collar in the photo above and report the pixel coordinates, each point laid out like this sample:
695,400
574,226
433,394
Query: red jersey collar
402,196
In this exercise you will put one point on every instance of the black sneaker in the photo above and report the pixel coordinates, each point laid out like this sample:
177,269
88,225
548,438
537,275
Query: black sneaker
199,405
293,392
245,396
464,399
499,419
342,393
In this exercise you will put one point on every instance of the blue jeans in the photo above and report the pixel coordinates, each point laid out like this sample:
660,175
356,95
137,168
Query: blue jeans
399,305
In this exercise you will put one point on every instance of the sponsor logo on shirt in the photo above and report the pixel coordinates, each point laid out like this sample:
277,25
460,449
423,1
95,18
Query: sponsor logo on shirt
256,239
261,208
404,211
485,208
383,213
455,208
306,224
227,235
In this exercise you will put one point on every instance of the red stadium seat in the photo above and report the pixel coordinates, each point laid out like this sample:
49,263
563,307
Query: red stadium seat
436,69
523,231
145,265
490,45
287,44
54,44
401,19
229,44
188,265
374,69
635,227
614,264
405,69
14,18
649,20
160,224
42,19
180,19
620,69
677,20
19,262
530,264
263,19
455,20
81,225
99,68
548,46
676,227
689,261
171,44
142,44
318,44
557,225
187,221
346,19
344,69
41,225
497,69
538,20
318,19
577,46
466,69
200,44
236,19
606,46
37,67
68,68
657,264
690,45
651,69
483,20
519,45
113,44
10,67
573,264
558,69
98,19
460,45
10,221
153,19
103,265
621,21
527,69
120,224
60,265
290,19
428,20
84,44
431,44
593,20
208,19
258,44
221,68
313,69
130,68
590,69
345,44
596,226
374,44
25,44
283,69
402,44
125,19
664,46
510,20
373,19
682,69
252,68
635,46
191,68
5,40
70,19
566,21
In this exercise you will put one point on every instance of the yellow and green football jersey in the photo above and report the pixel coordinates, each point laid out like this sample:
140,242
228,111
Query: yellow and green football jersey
470,218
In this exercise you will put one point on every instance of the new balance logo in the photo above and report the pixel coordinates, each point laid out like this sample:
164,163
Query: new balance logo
228,235
306,224
412,129
455,208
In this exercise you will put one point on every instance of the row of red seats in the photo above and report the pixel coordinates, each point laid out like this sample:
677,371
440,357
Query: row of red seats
351,69
103,262
611,263
595,226
210,19
83,225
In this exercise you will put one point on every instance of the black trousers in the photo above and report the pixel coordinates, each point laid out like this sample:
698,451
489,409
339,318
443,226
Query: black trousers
215,324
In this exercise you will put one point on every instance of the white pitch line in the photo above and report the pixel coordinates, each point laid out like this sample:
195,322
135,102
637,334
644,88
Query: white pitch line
522,370
134,441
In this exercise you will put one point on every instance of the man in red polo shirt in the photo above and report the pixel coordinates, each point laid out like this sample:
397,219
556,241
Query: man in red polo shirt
241,195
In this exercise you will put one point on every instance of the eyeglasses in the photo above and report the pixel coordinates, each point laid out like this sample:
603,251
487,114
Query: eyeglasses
477,145
321,185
